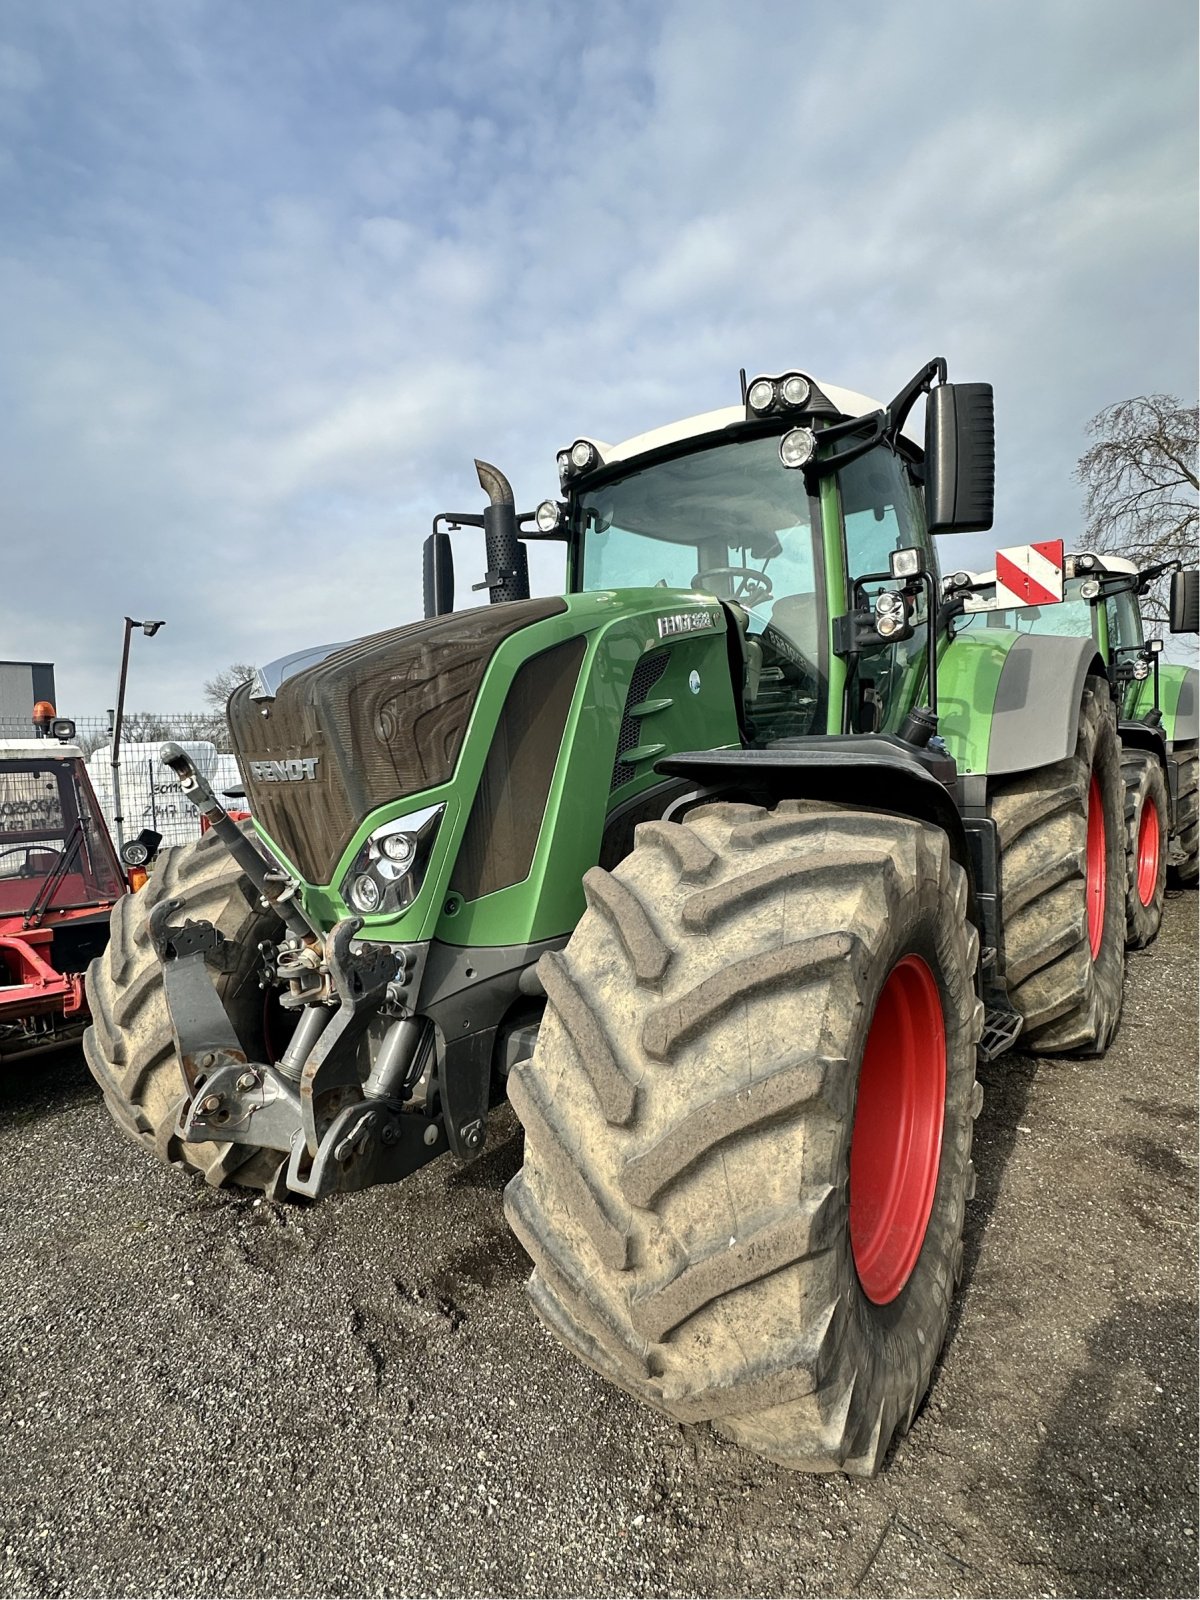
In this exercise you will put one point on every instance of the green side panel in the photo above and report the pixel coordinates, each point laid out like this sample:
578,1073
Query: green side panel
691,706
969,668
833,542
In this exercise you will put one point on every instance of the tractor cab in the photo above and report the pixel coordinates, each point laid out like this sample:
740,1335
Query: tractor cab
59,880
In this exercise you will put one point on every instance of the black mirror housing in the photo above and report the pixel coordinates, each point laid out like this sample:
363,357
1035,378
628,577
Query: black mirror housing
437,560
1185,602
960,458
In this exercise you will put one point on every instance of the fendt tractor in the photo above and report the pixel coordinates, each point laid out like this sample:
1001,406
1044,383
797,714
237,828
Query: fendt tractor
1158,710
725,867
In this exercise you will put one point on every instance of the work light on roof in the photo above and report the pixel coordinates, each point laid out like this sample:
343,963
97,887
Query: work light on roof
583,454
761,395
794,390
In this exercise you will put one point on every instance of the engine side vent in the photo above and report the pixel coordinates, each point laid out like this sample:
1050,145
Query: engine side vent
645,676
506,815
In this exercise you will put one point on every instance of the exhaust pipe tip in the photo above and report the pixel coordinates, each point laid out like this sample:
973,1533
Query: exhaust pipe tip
494,484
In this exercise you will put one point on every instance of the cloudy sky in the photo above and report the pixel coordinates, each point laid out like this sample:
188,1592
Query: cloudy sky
271,273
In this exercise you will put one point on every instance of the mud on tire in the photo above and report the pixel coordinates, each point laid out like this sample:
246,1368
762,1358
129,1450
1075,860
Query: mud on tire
689,1113
1146,829
1069,998
1186,839
129,1047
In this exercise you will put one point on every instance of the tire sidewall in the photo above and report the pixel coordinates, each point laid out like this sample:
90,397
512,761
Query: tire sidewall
906,1333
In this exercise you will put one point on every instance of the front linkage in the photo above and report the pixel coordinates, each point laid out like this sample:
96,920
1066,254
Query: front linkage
338,1132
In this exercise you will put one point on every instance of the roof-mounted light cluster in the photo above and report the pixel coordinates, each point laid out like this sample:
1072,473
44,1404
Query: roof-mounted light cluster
582,456
767,396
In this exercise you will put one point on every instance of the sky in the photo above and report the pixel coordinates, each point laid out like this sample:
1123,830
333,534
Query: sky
272,274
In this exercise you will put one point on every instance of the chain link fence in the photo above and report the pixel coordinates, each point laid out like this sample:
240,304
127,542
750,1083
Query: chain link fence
150,795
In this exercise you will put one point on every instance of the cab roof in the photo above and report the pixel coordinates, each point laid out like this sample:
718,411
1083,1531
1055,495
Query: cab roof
28,749
846,401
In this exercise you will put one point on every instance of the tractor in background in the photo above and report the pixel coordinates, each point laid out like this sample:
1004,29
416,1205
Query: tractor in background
1157,705
725,867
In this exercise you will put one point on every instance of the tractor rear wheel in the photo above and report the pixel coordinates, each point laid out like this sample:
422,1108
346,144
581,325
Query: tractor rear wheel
1062,889
129,1047
1146,829
1186,838
748,1125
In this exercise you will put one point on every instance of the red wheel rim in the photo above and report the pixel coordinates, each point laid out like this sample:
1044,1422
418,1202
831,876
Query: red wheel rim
1097,866
895,1149
1148,845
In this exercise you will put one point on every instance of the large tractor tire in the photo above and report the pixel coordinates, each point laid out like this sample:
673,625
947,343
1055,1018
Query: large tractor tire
1062,889
1186,837
1146,831
129,1047
748,1125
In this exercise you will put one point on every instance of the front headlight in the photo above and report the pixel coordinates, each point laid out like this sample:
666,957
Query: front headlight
387,873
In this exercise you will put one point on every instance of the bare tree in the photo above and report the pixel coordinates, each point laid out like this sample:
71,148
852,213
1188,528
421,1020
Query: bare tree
217,690
1140,478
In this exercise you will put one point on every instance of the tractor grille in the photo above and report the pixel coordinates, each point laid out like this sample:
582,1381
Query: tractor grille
645,676
506,817
384,717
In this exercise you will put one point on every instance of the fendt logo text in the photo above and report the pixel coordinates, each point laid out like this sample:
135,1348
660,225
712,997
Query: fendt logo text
294,771
685,622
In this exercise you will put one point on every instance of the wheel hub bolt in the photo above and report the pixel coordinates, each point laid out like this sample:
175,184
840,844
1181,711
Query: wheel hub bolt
248,1080
211,1102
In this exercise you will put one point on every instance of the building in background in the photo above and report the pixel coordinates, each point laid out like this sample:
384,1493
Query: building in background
22,685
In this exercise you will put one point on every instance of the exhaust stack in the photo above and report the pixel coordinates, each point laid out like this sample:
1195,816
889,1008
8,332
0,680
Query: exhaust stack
507,575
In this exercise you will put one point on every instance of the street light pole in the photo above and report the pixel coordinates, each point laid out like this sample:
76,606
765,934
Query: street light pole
149,629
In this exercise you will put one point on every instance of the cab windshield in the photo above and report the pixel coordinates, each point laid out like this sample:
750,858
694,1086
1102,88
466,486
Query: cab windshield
1072,617
730,521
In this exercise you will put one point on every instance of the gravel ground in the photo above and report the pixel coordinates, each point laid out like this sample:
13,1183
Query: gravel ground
205,1396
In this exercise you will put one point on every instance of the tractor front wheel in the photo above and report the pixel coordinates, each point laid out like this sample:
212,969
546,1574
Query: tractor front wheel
748,1125
129,1047
1146,831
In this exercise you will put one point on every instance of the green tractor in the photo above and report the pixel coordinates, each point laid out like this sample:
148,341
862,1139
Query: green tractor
1157,707
725,867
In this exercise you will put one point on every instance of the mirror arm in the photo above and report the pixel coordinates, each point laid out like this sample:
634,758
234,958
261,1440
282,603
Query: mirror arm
921,383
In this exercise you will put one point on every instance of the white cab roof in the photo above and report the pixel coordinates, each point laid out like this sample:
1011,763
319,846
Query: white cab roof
849,403
27,749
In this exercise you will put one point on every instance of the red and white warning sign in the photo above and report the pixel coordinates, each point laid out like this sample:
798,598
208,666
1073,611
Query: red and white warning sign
1030,574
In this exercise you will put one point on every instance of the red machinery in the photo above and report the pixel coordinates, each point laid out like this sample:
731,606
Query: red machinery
59,880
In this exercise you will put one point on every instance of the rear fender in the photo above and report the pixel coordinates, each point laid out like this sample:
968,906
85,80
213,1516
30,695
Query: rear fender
1009,702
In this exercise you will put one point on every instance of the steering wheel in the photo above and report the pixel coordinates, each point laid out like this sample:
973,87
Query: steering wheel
749,587
29,849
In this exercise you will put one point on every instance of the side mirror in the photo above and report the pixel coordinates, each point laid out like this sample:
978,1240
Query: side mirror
1185,602
437,561
960,458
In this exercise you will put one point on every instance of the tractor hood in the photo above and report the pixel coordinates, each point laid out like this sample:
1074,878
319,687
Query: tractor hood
373,721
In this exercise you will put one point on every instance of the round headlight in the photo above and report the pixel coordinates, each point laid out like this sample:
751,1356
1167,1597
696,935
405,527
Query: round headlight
548,516
365,892
1141,669
1089,589
1085,563
795,390
886,626
888,604
797,446
582,454
399,847
135,853
762,394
